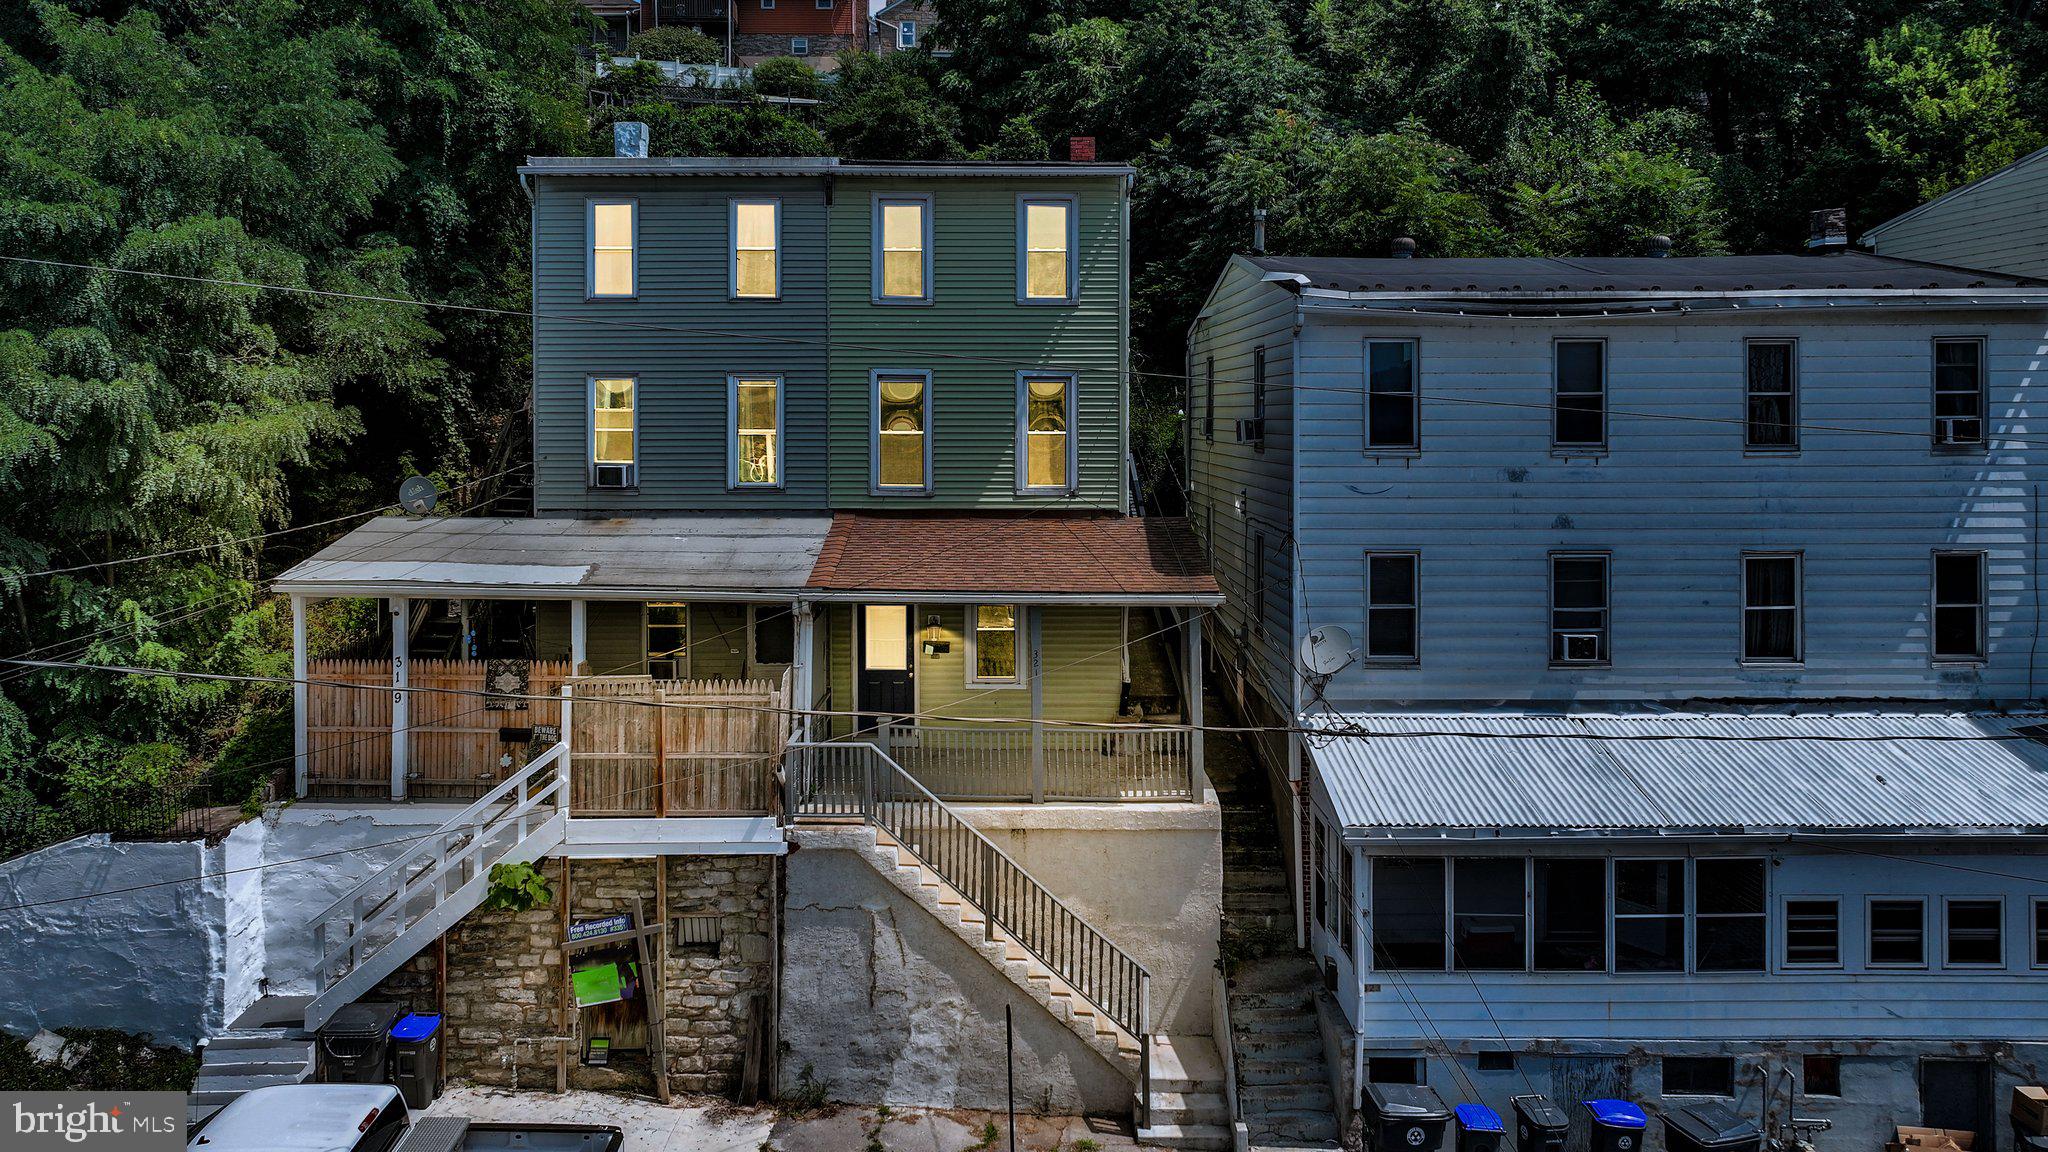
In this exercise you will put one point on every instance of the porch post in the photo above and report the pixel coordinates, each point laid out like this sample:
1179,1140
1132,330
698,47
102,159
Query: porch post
801,687
1033,613
579,636
401,706
301,669
1198,773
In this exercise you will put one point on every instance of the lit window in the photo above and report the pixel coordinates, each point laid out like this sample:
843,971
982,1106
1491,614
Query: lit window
1392,606
1770,609
612,448
901,446
1579,394
1047,232
1958,393
611,248
755,243
1813,933
1391,399
902,249
993,640
668,640
757,421
906,34
1771,423
1958,627
1976,934
1046,440
1898,933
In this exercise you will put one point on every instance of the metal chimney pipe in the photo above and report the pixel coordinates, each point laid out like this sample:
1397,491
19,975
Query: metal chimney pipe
1258,231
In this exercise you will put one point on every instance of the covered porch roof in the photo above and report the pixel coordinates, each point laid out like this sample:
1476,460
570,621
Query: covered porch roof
1025,558
1475,776
568,558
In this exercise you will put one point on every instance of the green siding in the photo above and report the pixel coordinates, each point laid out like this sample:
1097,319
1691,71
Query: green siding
721,648
1082,659
974,339
682,284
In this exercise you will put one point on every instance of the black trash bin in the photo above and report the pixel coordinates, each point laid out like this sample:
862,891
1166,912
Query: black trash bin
355,1044
1540,1126
1479,1128
1710,1127
1404,1118
1617,1126
416,1059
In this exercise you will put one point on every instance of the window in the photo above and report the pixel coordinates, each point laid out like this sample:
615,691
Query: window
767,5
1571,915
1255,562
756,405
1958,611
1770,609
1579,394
799,46
1958,393
1347,897
1392,606
1408,912
1813,933
613,458
1772,416
1578,609
992,644
902,448
1699,1076
1209,400
1045,424
2041,933
1898,933
1820,1075
1649,915
1045,249
697,934
756,249
774,634
1728,930
1395,1069
1496,1061
614,228
1256,433
903,249
906,34
1975,933
1391,400
1490,925
1318,878
823,4
668,640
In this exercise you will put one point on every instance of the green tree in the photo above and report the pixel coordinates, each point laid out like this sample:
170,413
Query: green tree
786,76
1943,107
883,108
684,45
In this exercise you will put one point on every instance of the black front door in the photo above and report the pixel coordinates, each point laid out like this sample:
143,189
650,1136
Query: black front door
885,669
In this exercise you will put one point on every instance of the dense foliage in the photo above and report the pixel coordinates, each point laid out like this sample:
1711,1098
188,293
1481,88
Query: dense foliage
368,149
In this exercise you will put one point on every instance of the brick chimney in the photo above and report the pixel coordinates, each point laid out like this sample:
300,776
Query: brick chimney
1081,149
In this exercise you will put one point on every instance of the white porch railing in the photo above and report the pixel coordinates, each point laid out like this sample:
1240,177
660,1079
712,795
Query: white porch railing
1017,763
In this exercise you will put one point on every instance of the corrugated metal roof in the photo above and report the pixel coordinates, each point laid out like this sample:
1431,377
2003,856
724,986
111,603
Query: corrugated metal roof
560,556
1633,275
1706,773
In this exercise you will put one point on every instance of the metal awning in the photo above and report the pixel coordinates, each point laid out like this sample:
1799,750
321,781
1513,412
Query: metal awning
1489,775
566,558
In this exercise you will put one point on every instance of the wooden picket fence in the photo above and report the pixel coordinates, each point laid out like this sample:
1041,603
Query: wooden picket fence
456,738
713,753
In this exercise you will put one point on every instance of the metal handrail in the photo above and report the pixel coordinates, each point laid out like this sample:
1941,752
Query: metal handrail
1060,939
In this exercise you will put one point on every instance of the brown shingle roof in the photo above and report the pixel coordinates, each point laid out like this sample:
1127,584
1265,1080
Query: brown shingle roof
1025,555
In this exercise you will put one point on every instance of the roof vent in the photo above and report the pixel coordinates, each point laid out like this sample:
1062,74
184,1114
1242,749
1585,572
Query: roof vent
629,140
1403,248
1827,229
1658,246
1081,149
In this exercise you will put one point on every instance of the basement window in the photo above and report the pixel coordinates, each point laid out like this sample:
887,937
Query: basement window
1821,1075
1496,1061
1394,1070
697,934
1699,1076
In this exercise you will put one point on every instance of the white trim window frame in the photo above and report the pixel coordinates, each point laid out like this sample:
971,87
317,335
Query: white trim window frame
1596,620
1789,930
1411,605
1977,606
1948,930
906,35
1027,434
876,433
593,251
799,45
881,202
1961,428
736,247
1070,206
1407,400
974,628
737,429
1782,436
595,435
1870,960
1796,609
1558,395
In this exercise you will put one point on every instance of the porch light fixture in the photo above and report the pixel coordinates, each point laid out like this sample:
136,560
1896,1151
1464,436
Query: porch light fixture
932,645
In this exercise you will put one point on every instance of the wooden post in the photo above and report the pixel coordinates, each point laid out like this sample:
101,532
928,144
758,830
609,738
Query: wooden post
579,637
401,706
660,751
801,691
1198,773
301,669
1032,614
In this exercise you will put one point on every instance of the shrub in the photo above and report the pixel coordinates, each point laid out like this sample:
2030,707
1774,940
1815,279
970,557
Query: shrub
686,45
786,76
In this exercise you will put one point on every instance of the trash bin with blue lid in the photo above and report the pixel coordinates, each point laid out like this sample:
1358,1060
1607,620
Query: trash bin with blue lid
1710,1126
1404,1118
1617,1126
416,1058
1479,1128
1540,1126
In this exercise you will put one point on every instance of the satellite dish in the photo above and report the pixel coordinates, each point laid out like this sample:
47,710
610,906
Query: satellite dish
418,495
1326,650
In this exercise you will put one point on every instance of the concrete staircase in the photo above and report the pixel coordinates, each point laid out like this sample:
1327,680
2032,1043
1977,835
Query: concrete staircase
265,1045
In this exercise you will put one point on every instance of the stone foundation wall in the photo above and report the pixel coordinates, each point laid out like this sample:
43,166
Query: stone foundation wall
755,48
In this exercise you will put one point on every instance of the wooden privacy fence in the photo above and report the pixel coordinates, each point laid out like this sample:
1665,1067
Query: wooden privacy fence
713,752
457,736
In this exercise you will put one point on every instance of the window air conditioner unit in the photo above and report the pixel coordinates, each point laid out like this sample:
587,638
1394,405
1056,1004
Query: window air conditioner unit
611,475
1956,429
1581,647
1251,431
